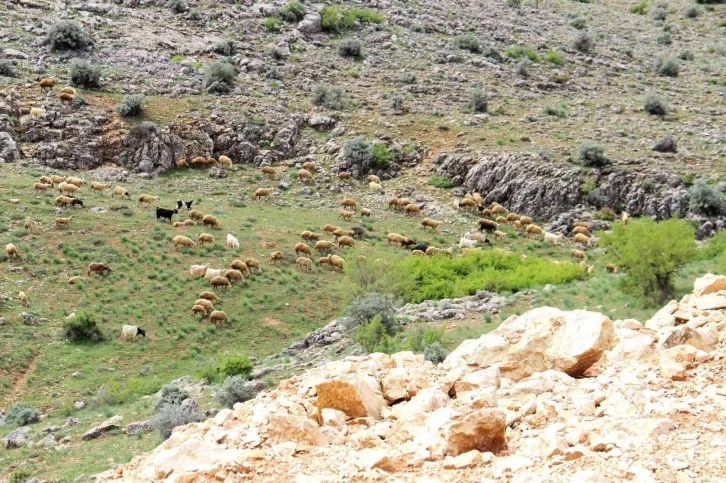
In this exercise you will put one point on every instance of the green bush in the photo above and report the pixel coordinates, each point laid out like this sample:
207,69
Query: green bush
686,55
68,35
171,395
235,365
654,105
705,199
235,389
554,57
21,414
650,253
219,77
131,105
583,42
422,336
435,353
82,328
177,6
366,307
667,67
7,69
330,18
272,24
514,3
592,154
467,42
329,97
523,67
361,15
715,247
83,74
358,151
292,11
350,48
382,156
555,111
372,335
519,51
226,47
578,23
440,181
664,39
407,78
170,416
395,102
639,8
21,476
478,101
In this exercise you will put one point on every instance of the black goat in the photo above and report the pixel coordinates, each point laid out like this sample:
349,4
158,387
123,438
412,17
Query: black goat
487,225
76,201
421,246
165,213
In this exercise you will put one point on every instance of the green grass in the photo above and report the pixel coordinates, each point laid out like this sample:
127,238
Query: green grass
521,51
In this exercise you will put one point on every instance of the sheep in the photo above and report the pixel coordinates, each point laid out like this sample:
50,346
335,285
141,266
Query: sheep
580,238
357,232
467,203
477,198
398,239
302,248
525,220
241,266
132,331
178,224
99,268
211,296
581,223
304,175
205,238
485,212
66,98
581,229
98,187
269,170
119,191
183,241
412,209
403,202
189,222
345,215
148,199
211,220
232,241
310,166
63,221
23,299
372,178
624,217
310,236
67,201
67,188
165,213
220,281
487,225
41,187
579,254
225,161
181,163
501,220
344,175
199,161
75,181
47,83
31,226
500,234
252,263
46,180
198,271
198,309
214,272
534,230
393,203
611,268
324,261
418,253
512,217
262,193
37,112
552,238
75,280
336,262
434,224
218,317
330,228
324,245
467,243
349,203
276,257
374,186
68,90
57,179
517,225
499,210
346,241
234,276
184,204
196,215
365,212
433,251
340,232
12,251
304,263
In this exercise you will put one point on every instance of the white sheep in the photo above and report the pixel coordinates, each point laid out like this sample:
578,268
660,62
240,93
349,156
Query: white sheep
232,241
214,272
131,331
198,271
467,243
553,238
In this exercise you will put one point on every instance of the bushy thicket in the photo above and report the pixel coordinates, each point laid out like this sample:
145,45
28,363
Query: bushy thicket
170,416
82,328
235,365
235,389
407,78
478,101
693,11
467,42
68,35
350,48
654,104
358,151
440,181
705,199
219,77
83,74
334,20
382,155
374,336
558,110
715,247
365,307
583,42
592,154
178,6
171,395
21,414
435,353
7,69
292,11
330,97
667,67
226,47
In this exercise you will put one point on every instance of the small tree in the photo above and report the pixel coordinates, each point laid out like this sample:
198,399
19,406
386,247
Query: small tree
235,389
650,253
370,334
358,151
83,74
171,395
131,105
21,414
329,97
219,77
592,154
705,199
68,35
330,18
82,328
365,307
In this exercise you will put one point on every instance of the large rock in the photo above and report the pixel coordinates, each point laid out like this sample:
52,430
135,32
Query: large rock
352,394
17,438
104,427
8,148
300,429
708,284
483,430
664,317
542,339
312,23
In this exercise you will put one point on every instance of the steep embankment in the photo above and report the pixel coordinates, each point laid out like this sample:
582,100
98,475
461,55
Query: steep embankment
549,395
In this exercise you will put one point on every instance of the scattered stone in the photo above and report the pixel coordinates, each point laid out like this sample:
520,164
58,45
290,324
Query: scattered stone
104,427
17,438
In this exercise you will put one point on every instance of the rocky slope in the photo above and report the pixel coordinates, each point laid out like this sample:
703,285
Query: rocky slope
548,396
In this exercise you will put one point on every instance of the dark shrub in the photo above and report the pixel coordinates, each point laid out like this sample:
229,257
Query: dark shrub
177,6
170,416
686,55
407,78
82,328
667,67
478,100
328,96
292,11
555,111
523,67
131,105
395,102
467,42
358,151
349,48
272,72
578,22
693,11
591,154
7,69
142,131
705,199
226,47
583,42
21,414
667,144
664,39
365,307
235,389
219,77
171,395
85,75
68,35
660,13
654,105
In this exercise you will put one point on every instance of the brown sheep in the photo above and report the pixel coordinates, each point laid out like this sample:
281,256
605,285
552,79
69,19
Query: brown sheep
346,241
330,228
485,213
343,175
178,224
68,188
396,239
625,218
234,276
433,251
487,225
198,309
46,180
225,161
262,193
525,220
220,282
324,261
99,268
340,232
579,254
199,161
98,187
467,203
23,299
183,241
241,266
348,203
211,220
148,199
63,221
582,230
181,163
309,166
189,223
336,262
304,176
302,248
12,251
534,230
403,202
512,217
75,181
412,209
372,178
252,263
310,236
31,226
365,212
499,210
119,191
269,171
64,201
47,83
580,238
304,263
276,257
581,223
211,296
517,225
501,220
500,234
324,245
57,179
207,304
218,317
434,224
66,98
41,187
205,238
75,280
345,215
418,253
68,90
611,268
393,203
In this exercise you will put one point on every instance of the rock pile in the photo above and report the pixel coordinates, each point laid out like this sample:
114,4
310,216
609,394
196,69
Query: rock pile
548,396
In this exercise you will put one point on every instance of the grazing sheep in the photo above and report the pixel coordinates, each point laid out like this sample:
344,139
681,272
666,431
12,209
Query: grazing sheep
41,186
582,230
218,317
499,210
68,90
198,271
403,202
467,243
372,178
624,218
37,112
241,266
47,83
365,212
580,238
525,220
99,268
252,263
357,232
393,203
119,191
234,276
183,241
579,254
485,212
304,263
66,98
399,239
512,217
232,241
199,161
276,257
310,236
433,251
336,262
262,193
343,175
346,241
46,180
418,253
23,299
534,230
148,199
500,234
214,272
181,163
553,239
269,170
304,175
581,223
302,247
412,209
75,280
31,226
487,225
374,186
434,224
98,187
12,251
75,181
309,165
611,268
63,221
467,203
501,220
324,261
220,281
345,215
165,213
211,220
57,179
67,188
477,198
340,232
178,224
131,332
330,228
225,161
205,238
67,201
350,204
324,245
211,296
196,215
189,222
198,309
517,225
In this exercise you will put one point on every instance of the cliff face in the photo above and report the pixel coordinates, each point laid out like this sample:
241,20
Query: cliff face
548,396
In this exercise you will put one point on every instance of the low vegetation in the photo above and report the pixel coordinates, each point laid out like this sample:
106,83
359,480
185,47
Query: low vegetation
219,77
67,35
84,74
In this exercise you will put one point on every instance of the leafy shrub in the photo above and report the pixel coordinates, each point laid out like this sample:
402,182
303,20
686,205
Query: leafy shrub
650,253
171,395
142,131
467,42
7,69
591,154
358,151
21,414
82,328
408,78
226,47
20,476
235,389
514,3
693,11
330,18
329,97
84,74
219,77
435,353
382,156
373,336
606,214
68,35
422,336
578,23
170,416
292,11
365,307
639,8
664,39
361,15
272,24
440,181
654,105
209,373
554,57
235,365
595,198
649,185
78,101
705,199
583,42
660,13
478,101
349,48
523,67
555,111
272,72
667,67
131,105
686,55
177,6
519,51
395,102
715,247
